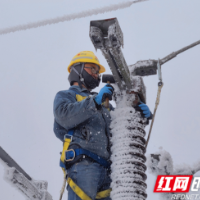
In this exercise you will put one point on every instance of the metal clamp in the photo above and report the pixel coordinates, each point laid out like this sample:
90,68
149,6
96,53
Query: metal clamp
67,160
68,136
160,83
159,70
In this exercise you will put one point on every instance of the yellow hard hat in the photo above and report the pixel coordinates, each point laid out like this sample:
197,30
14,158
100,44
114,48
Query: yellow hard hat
86,57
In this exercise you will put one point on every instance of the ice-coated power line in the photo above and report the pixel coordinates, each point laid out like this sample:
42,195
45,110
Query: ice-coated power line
69,17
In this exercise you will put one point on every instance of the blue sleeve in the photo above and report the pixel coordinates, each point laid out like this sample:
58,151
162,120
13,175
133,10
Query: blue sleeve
69,113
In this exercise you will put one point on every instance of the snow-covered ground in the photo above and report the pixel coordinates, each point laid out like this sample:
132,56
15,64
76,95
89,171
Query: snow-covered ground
34,64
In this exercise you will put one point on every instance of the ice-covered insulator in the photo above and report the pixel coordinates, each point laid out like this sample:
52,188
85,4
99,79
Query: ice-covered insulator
128,149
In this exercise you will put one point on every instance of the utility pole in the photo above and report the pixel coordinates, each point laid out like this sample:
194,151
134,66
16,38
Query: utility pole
127,127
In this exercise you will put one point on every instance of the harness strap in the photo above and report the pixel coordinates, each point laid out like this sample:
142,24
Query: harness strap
103,194
79,192
72,153
65,147
67,140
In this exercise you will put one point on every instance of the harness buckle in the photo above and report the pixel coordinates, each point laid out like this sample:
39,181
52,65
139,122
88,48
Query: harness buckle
68,136
74,154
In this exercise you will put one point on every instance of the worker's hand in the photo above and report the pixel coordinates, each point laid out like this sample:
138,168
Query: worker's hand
145,110
106,91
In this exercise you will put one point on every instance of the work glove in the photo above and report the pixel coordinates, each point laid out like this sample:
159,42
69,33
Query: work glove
145,110
106,91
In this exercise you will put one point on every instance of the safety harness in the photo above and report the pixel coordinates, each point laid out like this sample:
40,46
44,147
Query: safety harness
79,192
70,154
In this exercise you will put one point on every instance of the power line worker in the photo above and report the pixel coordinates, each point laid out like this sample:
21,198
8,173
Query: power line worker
82,123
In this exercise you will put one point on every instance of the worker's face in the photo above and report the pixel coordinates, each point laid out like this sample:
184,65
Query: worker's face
92,69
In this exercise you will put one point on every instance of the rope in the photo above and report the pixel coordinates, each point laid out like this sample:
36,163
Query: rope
160,85
63,187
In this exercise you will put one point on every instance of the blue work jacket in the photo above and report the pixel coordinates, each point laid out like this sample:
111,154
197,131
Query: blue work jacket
75,109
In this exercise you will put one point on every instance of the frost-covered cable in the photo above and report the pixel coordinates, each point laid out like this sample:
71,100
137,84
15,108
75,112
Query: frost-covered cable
154,113
64,18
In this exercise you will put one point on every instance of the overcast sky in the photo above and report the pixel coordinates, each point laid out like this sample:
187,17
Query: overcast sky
33,68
